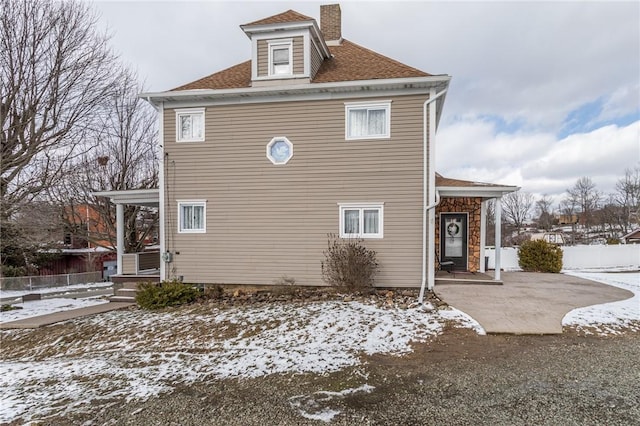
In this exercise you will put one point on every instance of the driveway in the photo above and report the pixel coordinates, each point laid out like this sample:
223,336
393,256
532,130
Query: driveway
527,302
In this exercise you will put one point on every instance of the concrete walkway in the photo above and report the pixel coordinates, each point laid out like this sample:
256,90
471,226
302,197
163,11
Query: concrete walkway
42,320
527,302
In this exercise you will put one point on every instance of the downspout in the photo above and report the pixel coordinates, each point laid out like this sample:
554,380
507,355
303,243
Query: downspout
428,155
161,195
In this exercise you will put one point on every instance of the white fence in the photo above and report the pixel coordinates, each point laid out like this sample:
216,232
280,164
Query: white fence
578,257
46,281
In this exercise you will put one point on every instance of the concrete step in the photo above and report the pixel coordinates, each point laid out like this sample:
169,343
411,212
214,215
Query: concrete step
127,292
131,286
125,299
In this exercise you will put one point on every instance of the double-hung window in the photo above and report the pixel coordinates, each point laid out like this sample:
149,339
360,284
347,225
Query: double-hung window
190,125
280,57
368,120
361,220
192,216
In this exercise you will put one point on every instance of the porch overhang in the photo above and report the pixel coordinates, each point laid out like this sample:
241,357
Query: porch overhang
131,197
489,191
134,197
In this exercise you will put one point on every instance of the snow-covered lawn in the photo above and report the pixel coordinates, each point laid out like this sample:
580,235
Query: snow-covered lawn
608,318
137,354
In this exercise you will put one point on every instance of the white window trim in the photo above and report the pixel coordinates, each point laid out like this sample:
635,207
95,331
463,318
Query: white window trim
362,207
189,111
274,44
202,203
273,159
349,106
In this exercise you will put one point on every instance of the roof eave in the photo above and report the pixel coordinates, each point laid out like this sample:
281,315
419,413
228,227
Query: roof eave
438,81
265,28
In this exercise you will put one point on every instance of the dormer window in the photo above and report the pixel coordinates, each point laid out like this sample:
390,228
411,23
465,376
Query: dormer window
280,57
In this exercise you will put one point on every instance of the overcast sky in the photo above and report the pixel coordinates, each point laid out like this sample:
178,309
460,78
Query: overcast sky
542,93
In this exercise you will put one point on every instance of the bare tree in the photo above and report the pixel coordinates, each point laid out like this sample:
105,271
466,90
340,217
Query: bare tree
627,196
568,210
586,197
612,218
516,207
125,157
544,211
56,69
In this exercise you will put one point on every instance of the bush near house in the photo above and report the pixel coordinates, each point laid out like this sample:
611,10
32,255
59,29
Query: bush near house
540,256
348,264
167,293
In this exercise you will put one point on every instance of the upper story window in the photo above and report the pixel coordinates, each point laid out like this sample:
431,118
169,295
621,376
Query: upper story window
190,125
281,57
361,220
368,120
192,216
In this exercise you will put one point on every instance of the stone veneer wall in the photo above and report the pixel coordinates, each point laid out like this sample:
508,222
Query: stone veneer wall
472,206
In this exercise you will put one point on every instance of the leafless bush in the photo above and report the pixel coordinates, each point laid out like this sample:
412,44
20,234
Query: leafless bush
348,264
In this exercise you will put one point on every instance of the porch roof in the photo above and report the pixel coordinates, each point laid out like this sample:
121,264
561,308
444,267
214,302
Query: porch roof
448,187
136,197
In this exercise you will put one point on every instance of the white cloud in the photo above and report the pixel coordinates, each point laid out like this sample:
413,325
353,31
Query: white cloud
538,162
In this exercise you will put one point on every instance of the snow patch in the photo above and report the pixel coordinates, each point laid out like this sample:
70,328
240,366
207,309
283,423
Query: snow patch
608,318
317,406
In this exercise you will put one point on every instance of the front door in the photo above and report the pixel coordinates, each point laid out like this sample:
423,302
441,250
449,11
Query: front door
453,239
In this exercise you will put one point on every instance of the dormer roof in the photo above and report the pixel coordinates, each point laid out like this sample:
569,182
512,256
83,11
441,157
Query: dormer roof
280,18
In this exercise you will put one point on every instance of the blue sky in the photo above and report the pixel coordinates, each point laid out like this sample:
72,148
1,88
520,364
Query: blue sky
542,93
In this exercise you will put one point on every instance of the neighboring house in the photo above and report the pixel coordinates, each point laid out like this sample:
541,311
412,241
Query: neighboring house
632,237
313,135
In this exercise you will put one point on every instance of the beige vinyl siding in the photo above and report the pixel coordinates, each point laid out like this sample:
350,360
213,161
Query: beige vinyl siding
316,60
298,55
266,221
263,56
129,263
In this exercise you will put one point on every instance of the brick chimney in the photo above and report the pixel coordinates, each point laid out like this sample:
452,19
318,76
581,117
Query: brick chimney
331,23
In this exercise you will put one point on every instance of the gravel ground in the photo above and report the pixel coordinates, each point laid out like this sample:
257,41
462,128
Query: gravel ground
458,378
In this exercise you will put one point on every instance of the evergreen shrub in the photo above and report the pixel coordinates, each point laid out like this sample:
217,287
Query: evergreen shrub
168,293
540,256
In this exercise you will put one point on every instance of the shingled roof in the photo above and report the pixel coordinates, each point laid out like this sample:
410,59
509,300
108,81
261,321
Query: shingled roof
443,181
280,18
350,62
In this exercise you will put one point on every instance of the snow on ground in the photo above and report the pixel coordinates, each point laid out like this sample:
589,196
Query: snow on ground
608,318
47,306
320,405
137,354
8,294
